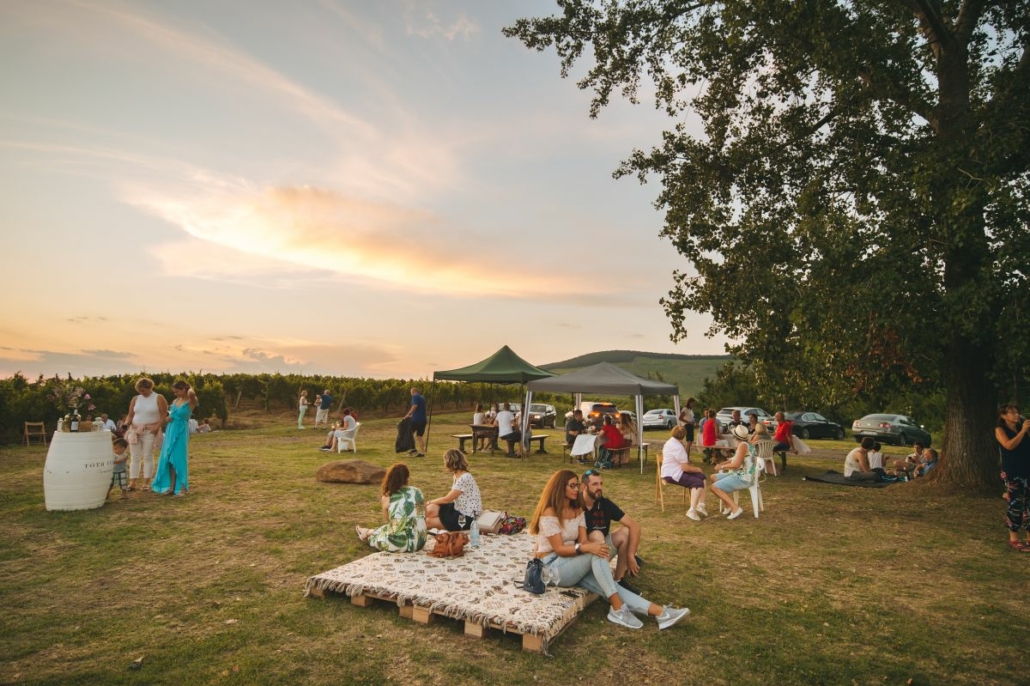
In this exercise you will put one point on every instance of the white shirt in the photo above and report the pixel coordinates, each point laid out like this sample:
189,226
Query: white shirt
145,410
875,460
549,526
470,502
673,454
504,420
194,426
109,425
478,418
852,463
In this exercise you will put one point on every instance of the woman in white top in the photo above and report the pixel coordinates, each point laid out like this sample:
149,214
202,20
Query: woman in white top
148,413
563,546
462,504
678,470
302,408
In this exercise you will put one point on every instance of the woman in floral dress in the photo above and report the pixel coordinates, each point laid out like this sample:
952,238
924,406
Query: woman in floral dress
404,510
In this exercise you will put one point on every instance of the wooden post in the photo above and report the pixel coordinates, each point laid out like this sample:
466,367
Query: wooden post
475,630
362,600
422,615
533,644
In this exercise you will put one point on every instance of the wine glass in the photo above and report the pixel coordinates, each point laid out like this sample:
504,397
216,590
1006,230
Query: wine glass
461,520
555,576
546,575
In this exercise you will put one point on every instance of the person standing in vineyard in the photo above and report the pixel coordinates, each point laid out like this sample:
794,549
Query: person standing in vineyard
322,411
303,408
148,413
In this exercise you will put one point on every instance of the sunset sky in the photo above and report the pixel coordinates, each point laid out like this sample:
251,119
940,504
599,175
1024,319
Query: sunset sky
351,188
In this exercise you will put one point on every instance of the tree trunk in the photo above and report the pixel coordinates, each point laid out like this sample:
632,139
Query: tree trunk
969,453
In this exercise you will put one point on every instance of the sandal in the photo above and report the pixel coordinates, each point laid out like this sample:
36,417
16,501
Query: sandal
362,534
1020,546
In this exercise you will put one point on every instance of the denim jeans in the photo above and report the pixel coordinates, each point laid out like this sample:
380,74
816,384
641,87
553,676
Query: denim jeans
595,575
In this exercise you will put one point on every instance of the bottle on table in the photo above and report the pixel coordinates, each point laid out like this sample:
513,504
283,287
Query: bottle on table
75,422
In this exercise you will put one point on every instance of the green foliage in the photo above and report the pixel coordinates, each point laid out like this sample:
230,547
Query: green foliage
856,210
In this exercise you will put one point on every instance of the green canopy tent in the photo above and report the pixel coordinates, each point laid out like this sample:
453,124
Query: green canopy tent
503,367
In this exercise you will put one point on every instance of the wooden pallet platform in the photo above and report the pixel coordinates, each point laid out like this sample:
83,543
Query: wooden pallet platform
425,615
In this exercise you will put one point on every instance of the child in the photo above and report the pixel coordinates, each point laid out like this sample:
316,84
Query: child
875,458
120,445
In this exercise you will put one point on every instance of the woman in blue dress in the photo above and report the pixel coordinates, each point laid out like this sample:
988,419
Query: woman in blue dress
171,477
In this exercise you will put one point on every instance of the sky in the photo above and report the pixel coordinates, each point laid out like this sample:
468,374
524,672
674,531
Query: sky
324,187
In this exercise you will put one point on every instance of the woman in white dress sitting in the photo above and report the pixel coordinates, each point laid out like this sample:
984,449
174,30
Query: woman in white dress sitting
562,545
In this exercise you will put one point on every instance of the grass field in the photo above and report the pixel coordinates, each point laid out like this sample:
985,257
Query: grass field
831,585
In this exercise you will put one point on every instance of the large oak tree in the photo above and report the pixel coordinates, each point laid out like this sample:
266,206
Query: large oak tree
855,212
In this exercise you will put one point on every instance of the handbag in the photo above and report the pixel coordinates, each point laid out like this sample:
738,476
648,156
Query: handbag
490,522
450,544
534,581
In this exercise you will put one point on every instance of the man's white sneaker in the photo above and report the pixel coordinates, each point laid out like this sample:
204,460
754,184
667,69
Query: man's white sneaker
670,616
624,618
692,514
734,515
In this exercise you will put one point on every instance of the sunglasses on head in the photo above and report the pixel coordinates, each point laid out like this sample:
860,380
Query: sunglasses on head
591,472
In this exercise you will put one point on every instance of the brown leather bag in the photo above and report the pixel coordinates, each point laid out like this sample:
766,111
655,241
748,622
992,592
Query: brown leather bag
450,544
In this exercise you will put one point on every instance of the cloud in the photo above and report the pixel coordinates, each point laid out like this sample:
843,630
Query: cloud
430,26
314,229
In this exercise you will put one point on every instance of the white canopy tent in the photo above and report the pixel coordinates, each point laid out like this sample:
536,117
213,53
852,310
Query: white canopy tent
605,378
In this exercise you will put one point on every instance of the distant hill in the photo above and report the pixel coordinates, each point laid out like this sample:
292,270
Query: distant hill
686,371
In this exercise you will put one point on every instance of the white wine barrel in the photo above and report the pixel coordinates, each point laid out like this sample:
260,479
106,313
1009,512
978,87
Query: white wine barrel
78,470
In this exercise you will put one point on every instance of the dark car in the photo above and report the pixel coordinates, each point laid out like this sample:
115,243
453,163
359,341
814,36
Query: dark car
542,415
890,428
813,425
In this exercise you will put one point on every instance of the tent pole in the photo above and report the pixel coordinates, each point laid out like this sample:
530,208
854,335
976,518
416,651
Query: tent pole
429,419
528,398
640,431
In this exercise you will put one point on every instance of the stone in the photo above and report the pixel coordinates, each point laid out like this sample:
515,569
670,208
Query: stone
350,472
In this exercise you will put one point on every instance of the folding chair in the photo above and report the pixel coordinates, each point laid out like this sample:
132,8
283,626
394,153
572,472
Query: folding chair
35,430
659,485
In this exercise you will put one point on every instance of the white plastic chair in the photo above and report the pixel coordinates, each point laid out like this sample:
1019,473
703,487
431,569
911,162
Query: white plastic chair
346,439
757,504
764,452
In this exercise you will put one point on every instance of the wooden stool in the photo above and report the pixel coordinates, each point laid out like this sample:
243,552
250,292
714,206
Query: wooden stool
35,430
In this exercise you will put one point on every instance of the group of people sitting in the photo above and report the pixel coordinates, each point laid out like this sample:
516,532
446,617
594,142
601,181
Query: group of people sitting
572,524
866,463
509,428
615,433
408,517
731,474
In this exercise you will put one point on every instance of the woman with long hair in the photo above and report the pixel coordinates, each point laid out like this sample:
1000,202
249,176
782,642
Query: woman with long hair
404,512
462,504
735,473
171,476
1011,434
564,548
148,413
628,428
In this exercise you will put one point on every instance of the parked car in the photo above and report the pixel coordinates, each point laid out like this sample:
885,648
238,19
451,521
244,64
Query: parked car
725,415
814,425
890,428
659,419
592,411
542,415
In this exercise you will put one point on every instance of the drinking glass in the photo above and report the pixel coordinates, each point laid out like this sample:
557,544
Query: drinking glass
461,520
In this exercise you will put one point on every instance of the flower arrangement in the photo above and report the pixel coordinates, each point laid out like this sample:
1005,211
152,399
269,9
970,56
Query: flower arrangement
68,397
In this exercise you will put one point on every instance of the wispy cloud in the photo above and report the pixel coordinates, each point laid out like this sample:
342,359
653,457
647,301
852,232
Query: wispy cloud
428,25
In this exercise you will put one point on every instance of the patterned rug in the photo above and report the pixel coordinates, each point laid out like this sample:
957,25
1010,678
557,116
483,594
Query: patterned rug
479,587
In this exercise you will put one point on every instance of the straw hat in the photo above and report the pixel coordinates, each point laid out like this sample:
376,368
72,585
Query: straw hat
741,432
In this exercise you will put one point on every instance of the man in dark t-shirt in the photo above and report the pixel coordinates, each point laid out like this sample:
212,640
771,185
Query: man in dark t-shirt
417,415
574,427
599,513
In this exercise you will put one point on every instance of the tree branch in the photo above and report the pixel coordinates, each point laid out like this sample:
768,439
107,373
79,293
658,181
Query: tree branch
934,27
968,16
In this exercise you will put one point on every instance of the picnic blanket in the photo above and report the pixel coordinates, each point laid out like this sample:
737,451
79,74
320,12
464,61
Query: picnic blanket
832,477
478,587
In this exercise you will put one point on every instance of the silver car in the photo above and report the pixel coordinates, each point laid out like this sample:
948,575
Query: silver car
659,419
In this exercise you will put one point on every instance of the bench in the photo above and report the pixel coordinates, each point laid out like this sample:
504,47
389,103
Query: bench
539,440
461,440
